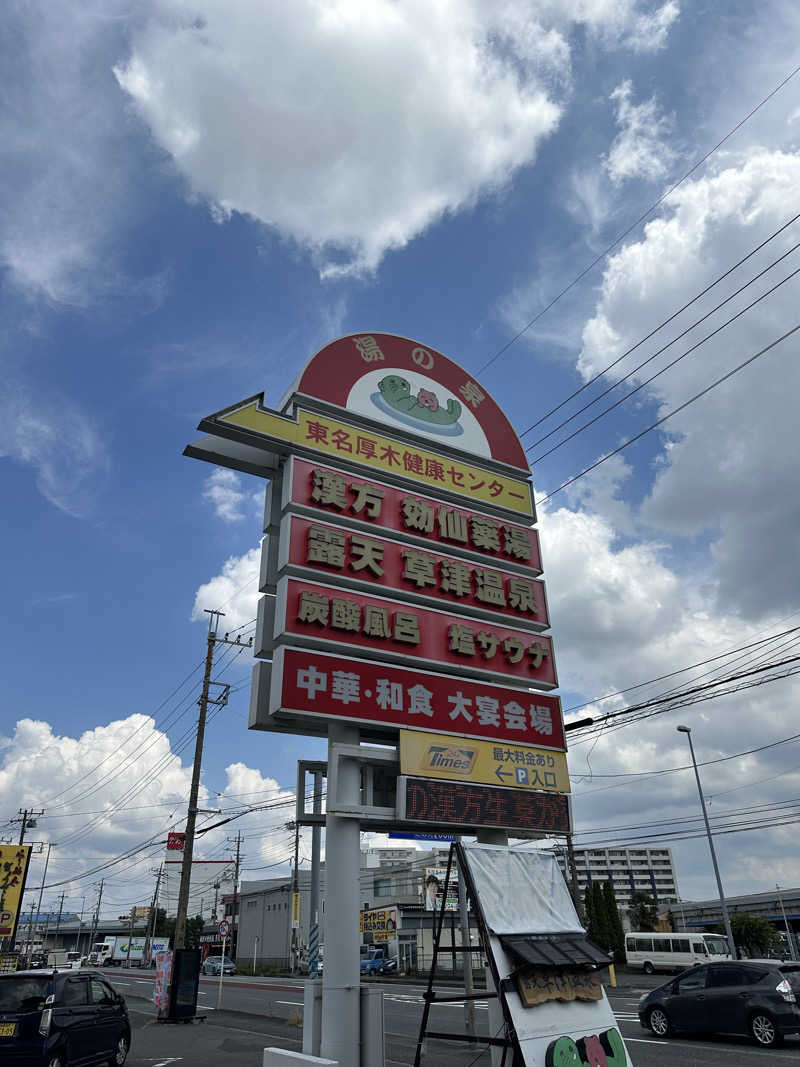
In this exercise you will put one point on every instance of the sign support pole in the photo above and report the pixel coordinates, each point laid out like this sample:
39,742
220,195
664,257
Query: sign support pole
495,1012
221,973
466,957
315,857
341,975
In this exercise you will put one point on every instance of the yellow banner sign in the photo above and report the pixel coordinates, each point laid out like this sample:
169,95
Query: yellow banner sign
13,868
484,762
295,910
380,922
331,437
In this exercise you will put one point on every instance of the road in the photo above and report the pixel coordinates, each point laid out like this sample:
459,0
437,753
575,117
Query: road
259,1012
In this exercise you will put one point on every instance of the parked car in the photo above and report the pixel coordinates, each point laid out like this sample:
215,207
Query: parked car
388,966
212,965
37,960
755,997
374,960
73,960
59,1018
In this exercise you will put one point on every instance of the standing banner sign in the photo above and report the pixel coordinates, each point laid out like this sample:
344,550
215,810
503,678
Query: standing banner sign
14,860
162,981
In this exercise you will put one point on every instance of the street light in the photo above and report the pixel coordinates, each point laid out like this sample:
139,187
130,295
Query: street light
731,945
789,938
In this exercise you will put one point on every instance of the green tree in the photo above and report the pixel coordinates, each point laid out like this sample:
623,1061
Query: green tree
165,927
753,935
614,923
643,912
588,908
601,917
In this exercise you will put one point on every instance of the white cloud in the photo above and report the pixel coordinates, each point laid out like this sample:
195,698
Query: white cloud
235,589
725,469
351,128
66,177
59,441
223,489
622,615
85,784
640,149
119,784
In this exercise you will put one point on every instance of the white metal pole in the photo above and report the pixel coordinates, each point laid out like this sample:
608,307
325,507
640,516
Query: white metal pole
789,938
341,975
221,972
723,904
255,953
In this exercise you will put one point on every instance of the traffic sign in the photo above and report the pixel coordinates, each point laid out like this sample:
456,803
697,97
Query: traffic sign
224,928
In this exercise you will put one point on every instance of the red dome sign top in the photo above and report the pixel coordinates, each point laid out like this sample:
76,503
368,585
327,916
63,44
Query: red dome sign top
403,384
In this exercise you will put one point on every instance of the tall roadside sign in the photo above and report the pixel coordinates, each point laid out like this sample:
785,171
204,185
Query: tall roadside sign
403,602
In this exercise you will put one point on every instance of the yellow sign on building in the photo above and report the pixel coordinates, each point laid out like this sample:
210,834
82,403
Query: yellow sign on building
332,437
485,762
380,922
13,869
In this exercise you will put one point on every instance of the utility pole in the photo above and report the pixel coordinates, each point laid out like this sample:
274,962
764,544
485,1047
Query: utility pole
235,922
151,921
58,920
96,919
191,815
80,926
28,821
130,937
39,905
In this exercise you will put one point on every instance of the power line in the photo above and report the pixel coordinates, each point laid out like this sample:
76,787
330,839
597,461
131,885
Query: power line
668,366
133,734
647,337
650,210
675,411
697,695
682,670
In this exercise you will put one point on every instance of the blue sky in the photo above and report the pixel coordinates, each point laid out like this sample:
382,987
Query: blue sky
197,196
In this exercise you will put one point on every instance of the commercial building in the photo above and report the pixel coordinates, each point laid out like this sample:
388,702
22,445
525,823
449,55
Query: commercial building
780,907
389,877
629,871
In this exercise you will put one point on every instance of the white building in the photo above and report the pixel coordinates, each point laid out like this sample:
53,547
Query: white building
629,870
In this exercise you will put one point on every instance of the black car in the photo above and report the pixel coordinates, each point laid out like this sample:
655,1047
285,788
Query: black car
38,959
60,1018
755,997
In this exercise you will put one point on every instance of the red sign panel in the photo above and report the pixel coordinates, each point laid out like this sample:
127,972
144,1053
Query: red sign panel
460,804
315,683
315,612
393,566
406,512
175,841
387,377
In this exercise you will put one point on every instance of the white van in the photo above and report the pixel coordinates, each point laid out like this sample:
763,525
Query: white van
674,952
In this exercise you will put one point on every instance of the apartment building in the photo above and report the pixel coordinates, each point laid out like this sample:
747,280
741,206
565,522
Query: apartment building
629,870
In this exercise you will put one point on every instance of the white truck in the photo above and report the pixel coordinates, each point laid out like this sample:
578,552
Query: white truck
119,951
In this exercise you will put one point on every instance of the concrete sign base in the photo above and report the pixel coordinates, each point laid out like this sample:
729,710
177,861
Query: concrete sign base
278,1057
